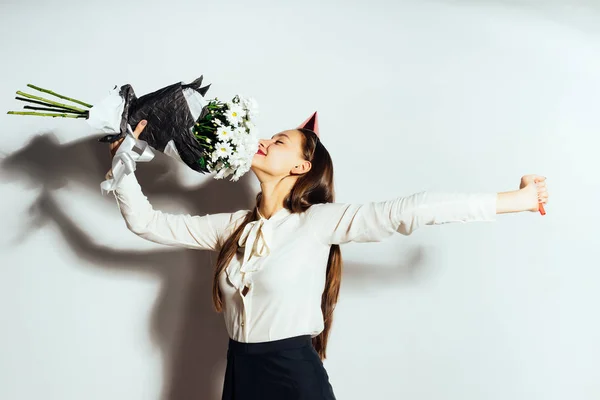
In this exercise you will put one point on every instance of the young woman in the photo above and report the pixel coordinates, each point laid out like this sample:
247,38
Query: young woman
278,270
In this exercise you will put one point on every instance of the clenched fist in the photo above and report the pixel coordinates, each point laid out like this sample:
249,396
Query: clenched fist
534,191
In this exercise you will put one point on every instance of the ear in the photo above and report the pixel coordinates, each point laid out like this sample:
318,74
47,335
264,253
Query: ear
301,168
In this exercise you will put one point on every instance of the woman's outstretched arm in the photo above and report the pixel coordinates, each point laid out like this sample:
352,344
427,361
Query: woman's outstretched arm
338,223
181,230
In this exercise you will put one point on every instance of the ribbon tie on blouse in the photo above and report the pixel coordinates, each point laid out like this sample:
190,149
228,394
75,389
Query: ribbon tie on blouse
255,239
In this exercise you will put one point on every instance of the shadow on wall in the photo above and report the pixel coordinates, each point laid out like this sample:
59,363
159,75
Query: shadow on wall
194,345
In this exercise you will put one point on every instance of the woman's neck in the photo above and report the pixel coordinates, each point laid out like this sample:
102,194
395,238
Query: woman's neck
273,194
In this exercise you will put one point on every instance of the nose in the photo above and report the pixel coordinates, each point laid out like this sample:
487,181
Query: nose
264,143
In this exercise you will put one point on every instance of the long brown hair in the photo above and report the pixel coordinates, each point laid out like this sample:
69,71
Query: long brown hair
314,187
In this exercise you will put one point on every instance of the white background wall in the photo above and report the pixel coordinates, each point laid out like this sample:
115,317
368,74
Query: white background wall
412,95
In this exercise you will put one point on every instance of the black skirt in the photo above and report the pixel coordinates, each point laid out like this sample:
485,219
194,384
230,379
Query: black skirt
286,369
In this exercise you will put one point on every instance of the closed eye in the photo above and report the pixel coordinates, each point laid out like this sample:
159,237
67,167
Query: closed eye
278,141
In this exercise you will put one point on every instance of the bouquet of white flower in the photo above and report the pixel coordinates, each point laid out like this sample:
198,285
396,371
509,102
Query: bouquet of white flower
208,136
228,127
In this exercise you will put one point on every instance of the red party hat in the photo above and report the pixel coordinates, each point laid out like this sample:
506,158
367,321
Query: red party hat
311,123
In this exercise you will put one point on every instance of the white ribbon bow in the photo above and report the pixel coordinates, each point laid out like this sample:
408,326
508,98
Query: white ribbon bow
255,238
130,152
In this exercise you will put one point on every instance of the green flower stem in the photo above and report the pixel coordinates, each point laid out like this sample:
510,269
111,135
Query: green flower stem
59,95
205,145
203,131
40,102
53,109
63,115
50,101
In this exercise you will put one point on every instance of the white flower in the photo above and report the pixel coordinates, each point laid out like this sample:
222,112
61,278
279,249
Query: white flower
235,114
249,124
217,122
238,174
224,133
250,142
223,173
235,143
241,170
223,149
233,160
237,136
250,105
238,157
251,129
247,102
239,161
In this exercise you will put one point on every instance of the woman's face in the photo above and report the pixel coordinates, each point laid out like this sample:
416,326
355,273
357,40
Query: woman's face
280,156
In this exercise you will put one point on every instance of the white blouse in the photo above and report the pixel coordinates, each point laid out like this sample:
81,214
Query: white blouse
283,259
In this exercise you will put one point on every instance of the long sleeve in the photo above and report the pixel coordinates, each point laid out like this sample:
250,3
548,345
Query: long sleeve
182,230
338,223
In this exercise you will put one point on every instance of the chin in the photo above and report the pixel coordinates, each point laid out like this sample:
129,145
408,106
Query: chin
255,169
259,171
257,163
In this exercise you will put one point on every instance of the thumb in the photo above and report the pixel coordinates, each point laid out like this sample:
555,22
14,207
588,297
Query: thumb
538,178
139,128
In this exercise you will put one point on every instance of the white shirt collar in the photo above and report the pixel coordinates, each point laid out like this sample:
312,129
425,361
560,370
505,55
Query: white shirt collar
281,213
255,239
